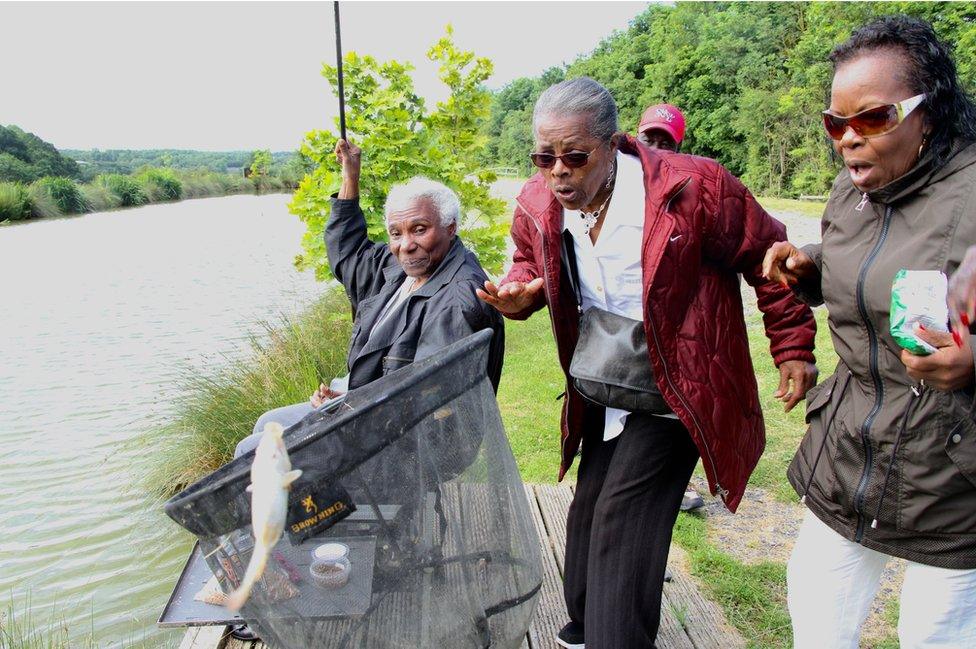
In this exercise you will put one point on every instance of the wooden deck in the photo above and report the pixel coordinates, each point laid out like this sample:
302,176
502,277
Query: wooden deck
688,620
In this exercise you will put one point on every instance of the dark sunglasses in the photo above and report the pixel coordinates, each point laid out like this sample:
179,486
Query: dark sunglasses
573,159
873,122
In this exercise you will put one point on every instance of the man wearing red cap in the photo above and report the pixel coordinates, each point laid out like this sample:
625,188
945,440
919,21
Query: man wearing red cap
662,127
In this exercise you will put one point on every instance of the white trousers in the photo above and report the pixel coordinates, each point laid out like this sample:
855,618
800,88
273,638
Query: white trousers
831,582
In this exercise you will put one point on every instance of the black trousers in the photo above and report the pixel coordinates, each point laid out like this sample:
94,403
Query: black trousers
618,531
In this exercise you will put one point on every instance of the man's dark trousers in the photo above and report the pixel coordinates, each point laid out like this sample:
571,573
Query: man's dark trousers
618,531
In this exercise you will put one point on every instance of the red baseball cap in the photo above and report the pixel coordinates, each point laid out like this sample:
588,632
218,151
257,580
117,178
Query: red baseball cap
665,117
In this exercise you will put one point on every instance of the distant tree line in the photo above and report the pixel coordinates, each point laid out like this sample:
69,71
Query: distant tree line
38,181
127,161
751,79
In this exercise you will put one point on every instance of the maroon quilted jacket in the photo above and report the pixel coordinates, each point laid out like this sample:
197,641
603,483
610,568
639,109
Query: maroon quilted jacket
701,228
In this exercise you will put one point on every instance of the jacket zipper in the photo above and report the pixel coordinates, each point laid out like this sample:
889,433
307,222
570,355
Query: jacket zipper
722,492
701,435
552,321
875,376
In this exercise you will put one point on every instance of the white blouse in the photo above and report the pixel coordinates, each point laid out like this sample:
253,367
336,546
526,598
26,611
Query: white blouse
610,269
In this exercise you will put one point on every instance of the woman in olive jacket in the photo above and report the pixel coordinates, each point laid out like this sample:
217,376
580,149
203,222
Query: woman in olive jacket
888,465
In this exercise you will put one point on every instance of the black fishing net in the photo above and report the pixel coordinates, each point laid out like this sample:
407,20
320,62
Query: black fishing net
412,498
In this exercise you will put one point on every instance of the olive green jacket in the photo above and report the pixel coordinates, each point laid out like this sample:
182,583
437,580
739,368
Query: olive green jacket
870,414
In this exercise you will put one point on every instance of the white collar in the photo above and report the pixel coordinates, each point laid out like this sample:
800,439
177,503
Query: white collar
625,208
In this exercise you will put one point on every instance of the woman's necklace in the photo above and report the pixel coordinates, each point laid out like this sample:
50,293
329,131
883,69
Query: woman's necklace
590,218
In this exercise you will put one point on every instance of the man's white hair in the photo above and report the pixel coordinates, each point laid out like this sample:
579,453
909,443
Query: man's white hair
404,195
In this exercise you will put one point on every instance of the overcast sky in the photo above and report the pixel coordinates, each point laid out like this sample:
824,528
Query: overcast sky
246,75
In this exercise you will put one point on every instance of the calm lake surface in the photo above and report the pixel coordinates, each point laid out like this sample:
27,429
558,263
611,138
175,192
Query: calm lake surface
100,316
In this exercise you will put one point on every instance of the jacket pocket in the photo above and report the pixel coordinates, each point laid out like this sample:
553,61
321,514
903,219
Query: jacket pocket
813,464
819,396
937,491
398,356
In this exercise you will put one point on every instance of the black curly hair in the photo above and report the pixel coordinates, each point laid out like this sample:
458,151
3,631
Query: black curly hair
949,112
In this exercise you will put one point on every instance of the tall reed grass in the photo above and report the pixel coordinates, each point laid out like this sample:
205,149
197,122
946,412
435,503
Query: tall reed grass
65,193
160,184
127,190
14,202
25,627
219,408
42,204
52,197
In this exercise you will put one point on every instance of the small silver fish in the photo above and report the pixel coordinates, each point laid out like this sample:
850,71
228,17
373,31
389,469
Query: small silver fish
271,479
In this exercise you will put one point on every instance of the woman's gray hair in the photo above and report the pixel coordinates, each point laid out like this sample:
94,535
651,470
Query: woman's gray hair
445,201
581,96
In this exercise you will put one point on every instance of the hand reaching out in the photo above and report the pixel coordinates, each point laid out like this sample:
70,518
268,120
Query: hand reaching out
511,297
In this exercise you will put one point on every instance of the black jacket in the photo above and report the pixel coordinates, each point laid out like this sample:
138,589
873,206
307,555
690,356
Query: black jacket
442,311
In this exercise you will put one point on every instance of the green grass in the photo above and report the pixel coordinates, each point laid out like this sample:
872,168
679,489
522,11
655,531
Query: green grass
531,381
98,198
807,208
14,202
783,430
20,629
219,408
43,205
23,627
65,193
753,597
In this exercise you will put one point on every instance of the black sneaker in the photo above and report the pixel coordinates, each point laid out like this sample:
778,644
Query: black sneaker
571,636
243,632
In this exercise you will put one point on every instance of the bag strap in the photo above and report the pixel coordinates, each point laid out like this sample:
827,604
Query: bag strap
568,254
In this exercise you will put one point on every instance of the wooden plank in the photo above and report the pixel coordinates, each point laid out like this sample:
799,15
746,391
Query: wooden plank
190,637
209,637
554,503
499,581
671,634
705,623
550,615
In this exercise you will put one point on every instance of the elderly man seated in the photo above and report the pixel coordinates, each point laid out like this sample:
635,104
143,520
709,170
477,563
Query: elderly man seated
410,297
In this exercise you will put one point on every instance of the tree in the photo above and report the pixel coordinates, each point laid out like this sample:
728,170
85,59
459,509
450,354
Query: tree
750,78
401,139
24,157
260,164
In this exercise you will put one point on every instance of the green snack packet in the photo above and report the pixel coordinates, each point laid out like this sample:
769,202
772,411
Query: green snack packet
918,297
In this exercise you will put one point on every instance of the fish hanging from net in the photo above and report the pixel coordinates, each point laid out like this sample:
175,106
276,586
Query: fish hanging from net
408,526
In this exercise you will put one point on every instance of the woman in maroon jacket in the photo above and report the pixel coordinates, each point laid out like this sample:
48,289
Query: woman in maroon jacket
659,239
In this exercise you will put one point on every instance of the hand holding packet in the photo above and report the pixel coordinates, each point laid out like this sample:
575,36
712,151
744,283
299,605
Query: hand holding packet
918,297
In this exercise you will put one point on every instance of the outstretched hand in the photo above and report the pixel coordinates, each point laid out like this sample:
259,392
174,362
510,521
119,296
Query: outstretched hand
511,297
786,264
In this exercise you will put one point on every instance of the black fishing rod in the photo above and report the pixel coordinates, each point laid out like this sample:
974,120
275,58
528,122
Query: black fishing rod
342,99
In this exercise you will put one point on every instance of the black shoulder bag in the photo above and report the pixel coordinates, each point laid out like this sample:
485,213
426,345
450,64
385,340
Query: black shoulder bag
610,366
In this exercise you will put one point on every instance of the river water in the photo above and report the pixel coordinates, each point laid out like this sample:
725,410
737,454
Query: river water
99,318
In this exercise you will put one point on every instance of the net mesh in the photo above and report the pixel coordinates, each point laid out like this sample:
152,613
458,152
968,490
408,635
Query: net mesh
413,477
